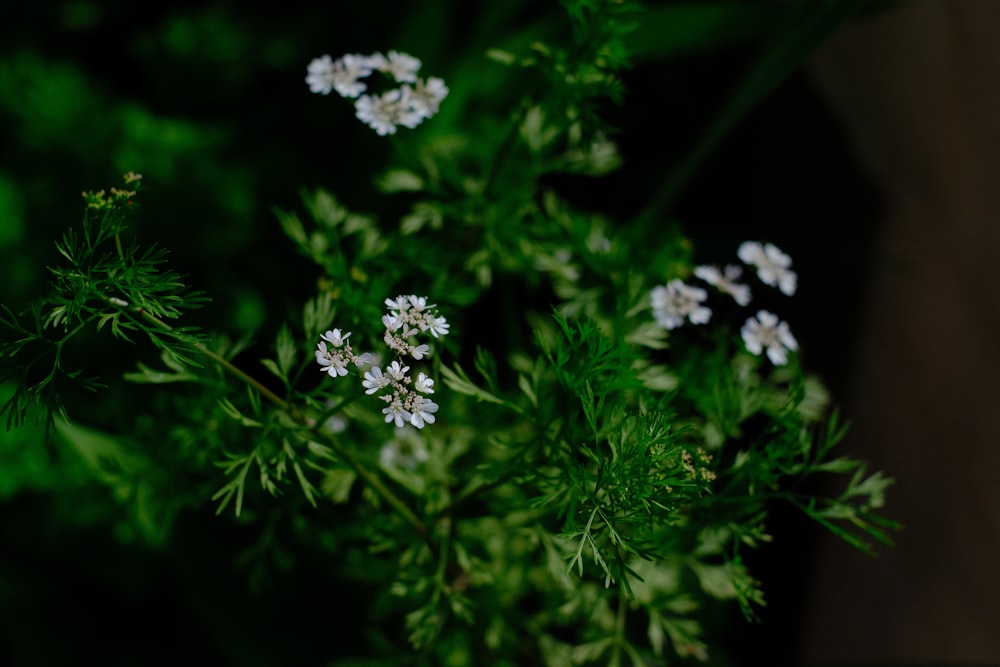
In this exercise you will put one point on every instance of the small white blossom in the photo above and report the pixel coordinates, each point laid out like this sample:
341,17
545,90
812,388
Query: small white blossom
329,361
426,96
402,66
424,384
767,331
773,266
725,281
334,360
335,337
320,75
325,74
381,112
409,105
419,351
438,327
395,412
397,371
423,410
675,301
401,302
374,380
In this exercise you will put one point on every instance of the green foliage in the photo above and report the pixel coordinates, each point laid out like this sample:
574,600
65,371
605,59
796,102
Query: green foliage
592,480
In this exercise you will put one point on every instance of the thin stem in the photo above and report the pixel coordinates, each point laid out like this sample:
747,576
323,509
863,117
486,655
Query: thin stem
369,477
616,656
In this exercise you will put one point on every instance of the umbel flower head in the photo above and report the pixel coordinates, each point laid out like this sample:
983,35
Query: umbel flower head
406,105
410,317
773,266
766,331
725,281
675,301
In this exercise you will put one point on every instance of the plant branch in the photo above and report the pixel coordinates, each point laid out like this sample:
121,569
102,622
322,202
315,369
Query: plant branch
368,476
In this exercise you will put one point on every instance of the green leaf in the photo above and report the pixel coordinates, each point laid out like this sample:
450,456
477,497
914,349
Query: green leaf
399,180
317,315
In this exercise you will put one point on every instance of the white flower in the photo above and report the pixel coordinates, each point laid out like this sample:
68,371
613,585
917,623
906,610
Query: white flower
409,105
773,266
438,327
675,301
396,412
397,371
423,410
402,66
374,380
335,337
419,351
334,360
320,75
426,97
341,75
409,115
391,322
419,303
330,361
424,384
767,331
381,112
725,281
401,302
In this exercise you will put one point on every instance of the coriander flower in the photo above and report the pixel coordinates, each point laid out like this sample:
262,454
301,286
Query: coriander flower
381,112
422,411
374,380
410,316
397,371
675,301
402,66
333,359
408,105
395,412
426,96
401,302
767,331
335,337
438,326
725,281
342,74
424,384
773,266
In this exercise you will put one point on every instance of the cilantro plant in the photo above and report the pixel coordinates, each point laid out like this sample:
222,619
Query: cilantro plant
549,434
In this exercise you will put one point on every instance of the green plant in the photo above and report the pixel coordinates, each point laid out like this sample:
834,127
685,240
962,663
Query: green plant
600,453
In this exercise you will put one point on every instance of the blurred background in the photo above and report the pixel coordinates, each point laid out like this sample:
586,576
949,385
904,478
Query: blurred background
874,167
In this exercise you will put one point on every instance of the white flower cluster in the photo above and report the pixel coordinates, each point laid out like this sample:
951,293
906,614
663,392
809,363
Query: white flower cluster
677,301
409,317
406,105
